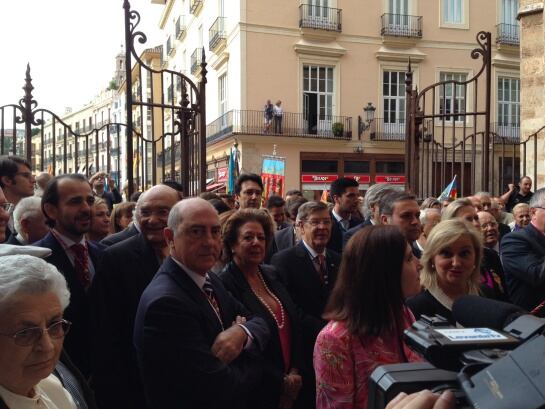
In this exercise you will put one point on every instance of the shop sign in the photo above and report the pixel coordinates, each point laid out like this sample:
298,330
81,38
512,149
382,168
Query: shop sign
361,179
318,178
222,174
393,179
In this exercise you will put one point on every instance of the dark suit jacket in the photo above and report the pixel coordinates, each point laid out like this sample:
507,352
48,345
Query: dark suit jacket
426,304
350,232
523,258
503,229
77,342
174,330
127,269
284,239
337,231
492,270
268,393
111,198
120,236
14,241
9,234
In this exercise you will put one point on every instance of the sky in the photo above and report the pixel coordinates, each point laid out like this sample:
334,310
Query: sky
70,45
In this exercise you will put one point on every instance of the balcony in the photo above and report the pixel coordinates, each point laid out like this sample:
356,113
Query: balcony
320,18
505,133
216,35
401,25
180,27
237,122
195,6
508,34
196,59
170,49
381,130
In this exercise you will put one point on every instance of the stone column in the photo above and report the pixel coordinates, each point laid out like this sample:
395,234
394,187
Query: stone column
532,76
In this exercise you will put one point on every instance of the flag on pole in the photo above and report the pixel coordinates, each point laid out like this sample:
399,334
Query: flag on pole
451,191
232,172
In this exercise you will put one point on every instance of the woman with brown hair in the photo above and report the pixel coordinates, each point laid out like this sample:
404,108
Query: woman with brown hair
367,316
121,216
247,234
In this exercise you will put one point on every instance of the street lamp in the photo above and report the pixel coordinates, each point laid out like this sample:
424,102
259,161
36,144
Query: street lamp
364,125
369,111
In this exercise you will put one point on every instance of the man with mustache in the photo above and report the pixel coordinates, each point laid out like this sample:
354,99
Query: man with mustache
66,204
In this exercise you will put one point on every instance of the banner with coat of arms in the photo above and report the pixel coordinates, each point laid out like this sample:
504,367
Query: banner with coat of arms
273,176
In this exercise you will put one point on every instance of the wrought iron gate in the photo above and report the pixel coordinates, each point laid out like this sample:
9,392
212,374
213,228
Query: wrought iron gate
449,132
163,136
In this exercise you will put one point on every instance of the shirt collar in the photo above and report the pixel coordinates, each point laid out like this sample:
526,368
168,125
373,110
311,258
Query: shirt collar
197,278
311,251
66,241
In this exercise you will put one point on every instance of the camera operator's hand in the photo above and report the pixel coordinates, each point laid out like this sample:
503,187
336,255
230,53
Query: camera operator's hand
423,400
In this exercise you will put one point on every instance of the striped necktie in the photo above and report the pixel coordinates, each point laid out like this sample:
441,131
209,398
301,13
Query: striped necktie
209,291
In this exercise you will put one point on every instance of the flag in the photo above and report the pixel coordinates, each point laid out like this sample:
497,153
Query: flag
272,175
232,173
451,191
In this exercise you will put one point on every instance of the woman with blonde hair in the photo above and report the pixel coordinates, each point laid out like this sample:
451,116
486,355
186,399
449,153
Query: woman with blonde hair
461,209
451,268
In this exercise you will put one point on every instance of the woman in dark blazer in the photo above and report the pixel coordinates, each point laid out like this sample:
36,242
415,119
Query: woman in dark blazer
246,237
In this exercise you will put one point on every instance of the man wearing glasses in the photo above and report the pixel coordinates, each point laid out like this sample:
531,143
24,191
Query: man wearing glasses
523,257
309,270
17,182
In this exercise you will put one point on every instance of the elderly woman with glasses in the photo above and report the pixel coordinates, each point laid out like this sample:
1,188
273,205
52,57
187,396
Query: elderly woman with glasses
33,296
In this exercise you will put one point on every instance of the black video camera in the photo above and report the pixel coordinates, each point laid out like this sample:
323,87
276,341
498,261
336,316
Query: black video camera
496,362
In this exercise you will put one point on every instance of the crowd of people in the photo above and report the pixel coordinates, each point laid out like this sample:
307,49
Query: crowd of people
218,302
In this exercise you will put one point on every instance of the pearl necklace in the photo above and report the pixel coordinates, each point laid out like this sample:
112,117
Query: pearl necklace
280,324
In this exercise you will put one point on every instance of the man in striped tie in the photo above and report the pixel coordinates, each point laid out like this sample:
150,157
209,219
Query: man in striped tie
197,347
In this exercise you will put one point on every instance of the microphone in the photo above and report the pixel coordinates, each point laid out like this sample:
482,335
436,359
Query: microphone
473,311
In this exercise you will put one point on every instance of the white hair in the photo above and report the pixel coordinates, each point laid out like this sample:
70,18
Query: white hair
27,207
424,214
23,274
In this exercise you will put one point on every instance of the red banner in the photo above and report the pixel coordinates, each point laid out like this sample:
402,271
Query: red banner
222,174
318,178
393,179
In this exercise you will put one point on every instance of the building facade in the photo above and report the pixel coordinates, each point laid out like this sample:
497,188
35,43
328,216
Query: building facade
326,60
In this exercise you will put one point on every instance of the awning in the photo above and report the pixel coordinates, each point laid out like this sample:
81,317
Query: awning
214,187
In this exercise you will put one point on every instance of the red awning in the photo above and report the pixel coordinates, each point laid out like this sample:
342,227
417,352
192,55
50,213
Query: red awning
214,187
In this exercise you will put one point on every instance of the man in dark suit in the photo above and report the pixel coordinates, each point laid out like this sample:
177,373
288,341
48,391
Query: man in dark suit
370,208
288,237
29,221
523,257
98,182
66,204
130,231
309,271
345,193
127,269
401,209
276,207
17,182
196,345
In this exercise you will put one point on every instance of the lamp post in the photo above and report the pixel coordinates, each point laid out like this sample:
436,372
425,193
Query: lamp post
363,125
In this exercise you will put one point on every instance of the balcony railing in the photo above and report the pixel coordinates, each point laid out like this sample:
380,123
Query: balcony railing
507,34
169,46
401,25
180,27
320,18
216,34
505,133
195,6
196,59
382,130
292,124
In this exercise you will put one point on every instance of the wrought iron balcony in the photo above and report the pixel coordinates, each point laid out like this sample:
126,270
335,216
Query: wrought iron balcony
401,25
195,6
292,125
217,34
386,130
180,27
505,133
170,49
320,18
507,34
196,59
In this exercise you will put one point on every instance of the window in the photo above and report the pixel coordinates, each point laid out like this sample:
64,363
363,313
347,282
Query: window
352,166
452,95
393,99
452,11
222,94
319,166
508,115
318,90
390,167
509,11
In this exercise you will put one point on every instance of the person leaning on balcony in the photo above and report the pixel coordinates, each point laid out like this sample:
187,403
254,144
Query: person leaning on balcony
278,113
269,112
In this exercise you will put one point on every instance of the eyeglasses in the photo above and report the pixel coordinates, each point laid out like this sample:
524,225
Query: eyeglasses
29,336
315,223
538,207
7,207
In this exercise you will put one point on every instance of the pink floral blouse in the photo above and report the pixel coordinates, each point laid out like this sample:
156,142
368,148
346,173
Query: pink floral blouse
343,364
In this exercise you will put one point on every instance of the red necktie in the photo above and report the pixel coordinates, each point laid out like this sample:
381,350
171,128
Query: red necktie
81,264
322,268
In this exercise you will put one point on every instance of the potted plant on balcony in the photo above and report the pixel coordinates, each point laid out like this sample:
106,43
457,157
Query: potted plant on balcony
337,128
